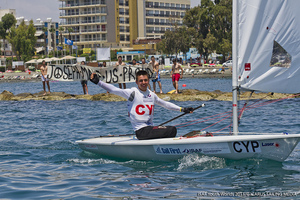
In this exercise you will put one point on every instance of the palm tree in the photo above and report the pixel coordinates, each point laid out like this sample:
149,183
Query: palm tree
61,30
52,31
44,29
70,30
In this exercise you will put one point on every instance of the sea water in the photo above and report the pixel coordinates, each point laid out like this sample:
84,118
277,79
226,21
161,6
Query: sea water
39,158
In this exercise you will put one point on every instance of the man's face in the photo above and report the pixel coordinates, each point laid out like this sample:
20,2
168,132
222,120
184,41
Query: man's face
153,59
133,62
143,61
120,59
142,81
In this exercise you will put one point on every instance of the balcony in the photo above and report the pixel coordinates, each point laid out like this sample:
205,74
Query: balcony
72,14
93,21
82,4
91,39
93,30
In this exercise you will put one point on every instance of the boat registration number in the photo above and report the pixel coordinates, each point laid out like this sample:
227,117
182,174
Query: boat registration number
246,147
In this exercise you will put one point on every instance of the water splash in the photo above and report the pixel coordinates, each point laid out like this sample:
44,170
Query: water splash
202,162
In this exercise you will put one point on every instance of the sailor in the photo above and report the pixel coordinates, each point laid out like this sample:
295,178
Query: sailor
140,103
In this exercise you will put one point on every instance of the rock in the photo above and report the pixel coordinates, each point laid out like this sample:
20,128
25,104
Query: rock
185,95
6,96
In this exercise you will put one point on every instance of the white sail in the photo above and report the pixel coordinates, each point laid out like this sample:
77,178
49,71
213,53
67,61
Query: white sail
262,26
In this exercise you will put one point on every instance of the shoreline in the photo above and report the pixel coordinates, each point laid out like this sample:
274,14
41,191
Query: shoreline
184,95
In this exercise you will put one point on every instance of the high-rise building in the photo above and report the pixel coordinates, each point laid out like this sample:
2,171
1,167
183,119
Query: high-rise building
119,23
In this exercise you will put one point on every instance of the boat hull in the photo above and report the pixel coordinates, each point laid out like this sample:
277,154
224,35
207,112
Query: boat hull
274,147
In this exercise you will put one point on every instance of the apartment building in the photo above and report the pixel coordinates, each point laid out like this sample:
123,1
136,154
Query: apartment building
48,38
119,23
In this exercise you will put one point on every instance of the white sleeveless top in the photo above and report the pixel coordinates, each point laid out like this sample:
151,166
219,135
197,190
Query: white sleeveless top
140,104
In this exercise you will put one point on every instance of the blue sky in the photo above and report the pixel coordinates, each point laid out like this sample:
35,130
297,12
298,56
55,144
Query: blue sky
43,9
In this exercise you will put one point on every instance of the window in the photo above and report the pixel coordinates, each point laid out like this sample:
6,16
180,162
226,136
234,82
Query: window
122,37
122,29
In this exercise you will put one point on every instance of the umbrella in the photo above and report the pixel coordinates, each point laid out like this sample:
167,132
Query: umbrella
68,58
48,59
55,59
31,61
39,60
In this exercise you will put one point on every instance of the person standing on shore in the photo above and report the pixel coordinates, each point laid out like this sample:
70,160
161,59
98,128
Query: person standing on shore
156,75
121,63
84,82
134,63
144,66
175,75
45,80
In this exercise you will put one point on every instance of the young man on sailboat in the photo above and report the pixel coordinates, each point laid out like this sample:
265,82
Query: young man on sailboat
140,103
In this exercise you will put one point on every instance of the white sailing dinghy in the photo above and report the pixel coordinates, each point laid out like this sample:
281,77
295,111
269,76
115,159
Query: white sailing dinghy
266,57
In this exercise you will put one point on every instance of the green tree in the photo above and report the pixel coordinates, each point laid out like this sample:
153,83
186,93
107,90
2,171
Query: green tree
52,31
70,30
212,22
185,39
7,22
61,30
45,31
168,45
23,40
222,26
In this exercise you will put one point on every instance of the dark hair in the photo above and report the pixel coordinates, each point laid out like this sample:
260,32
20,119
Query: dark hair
83,62
141,72
119,56
133,59
144,58
174,60
152,57
104,62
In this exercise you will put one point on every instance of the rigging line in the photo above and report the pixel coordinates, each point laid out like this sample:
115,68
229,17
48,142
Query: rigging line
269,102
223,129
226,116
215,123
245,105
204,121
203,118
261,99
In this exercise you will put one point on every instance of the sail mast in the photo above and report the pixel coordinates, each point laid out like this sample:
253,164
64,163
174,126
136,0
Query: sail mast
234,66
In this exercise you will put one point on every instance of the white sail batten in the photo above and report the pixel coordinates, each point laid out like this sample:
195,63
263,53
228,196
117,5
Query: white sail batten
279,22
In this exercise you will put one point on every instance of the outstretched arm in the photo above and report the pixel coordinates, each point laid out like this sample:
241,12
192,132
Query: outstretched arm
165,104
172,106
125,93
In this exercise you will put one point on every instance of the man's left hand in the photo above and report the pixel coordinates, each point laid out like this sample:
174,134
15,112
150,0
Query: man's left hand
187,110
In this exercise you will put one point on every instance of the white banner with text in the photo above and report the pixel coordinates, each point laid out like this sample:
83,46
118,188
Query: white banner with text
114,74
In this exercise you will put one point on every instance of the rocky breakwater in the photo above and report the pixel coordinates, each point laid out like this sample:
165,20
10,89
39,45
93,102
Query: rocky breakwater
185,95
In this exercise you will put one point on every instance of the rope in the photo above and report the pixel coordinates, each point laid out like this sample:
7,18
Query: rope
225,115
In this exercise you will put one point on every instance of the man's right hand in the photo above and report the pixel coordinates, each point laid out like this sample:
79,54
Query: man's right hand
94,78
